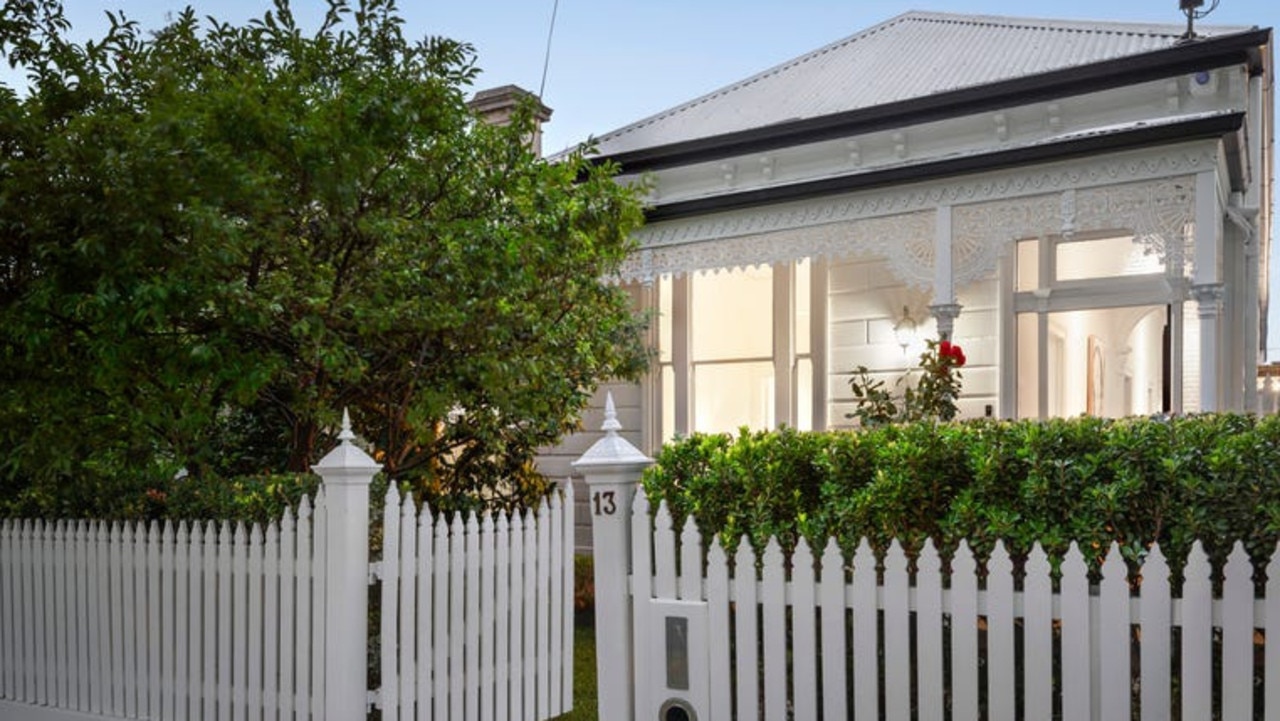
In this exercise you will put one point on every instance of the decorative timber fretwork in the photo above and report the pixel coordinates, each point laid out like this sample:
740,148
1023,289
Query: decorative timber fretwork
1150,195
1159,213
905,241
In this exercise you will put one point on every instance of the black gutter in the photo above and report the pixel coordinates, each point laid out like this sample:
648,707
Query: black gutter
1180,59
1198,128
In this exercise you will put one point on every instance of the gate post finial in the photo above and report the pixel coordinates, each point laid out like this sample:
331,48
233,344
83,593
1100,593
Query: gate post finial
346,472
611,469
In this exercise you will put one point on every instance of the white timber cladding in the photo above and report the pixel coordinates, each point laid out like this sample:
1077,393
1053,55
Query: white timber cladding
866,301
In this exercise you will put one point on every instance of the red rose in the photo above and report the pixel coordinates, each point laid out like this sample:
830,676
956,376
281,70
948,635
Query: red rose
947,349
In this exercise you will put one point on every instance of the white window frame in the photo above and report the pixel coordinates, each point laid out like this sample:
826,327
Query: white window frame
784,356
1054,296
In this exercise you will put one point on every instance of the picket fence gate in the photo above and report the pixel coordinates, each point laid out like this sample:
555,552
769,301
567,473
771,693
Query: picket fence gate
705,636
235,622
477,614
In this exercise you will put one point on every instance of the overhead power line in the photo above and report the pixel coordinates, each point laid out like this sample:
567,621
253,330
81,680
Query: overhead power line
546,59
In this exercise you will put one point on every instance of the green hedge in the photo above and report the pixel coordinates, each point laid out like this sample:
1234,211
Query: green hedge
1135,481
258,498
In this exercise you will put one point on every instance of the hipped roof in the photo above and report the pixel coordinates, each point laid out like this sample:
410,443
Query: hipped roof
914,55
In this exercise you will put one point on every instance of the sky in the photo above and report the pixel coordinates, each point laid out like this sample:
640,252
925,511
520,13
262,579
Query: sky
613,62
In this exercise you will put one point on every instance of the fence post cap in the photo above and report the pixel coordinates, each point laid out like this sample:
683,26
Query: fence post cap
613,451
346,457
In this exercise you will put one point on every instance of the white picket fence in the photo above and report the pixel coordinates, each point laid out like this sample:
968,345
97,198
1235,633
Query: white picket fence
823,640
477,614
185,621
229,622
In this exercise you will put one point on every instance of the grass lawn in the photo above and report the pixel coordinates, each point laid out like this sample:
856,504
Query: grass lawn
584,672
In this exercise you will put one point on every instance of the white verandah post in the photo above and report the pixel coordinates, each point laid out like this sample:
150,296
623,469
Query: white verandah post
945,310
1208,289
346,472
611,469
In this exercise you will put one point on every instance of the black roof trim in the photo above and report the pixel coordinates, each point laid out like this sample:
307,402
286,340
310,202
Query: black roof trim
1202,127
1179,59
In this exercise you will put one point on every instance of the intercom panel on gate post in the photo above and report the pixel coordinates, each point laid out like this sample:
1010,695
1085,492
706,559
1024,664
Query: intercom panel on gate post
680,673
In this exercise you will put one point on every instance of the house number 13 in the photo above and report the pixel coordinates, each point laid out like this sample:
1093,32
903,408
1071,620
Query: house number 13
605,504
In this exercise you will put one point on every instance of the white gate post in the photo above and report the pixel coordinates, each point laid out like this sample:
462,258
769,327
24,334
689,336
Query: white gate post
612,469
346,472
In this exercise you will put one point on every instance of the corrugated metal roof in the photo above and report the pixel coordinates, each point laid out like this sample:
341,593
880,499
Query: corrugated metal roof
910,56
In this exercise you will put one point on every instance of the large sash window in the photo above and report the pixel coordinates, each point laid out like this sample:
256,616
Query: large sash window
735,349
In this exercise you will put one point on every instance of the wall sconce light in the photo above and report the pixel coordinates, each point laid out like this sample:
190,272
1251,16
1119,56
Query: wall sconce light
904,331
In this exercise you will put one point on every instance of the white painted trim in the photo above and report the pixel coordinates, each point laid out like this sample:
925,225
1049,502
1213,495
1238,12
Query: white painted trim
1042,363
1250,314
1096,294
943,272
646,300
1090,172
1209,299
1156,211
1007,337
1177,345
682,353
784,344
1208,235
1207,287
819,311
1025,126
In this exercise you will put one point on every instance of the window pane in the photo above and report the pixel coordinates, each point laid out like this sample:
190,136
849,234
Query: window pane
1191,357
729,395
664,319
804,394
802,306
1028,366
1144,374
733,315
1104,362
668,403
1105,258
1028,264
1057,362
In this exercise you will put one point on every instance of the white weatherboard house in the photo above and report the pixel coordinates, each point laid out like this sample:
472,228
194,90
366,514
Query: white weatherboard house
1083,206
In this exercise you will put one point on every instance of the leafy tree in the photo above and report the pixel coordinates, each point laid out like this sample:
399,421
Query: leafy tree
215,237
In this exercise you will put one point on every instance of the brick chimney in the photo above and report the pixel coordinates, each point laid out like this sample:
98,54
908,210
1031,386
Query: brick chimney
496,105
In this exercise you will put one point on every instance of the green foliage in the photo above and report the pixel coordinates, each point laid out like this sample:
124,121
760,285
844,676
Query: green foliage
932,397
875,404
215,237
585,692
731,484
584,587
1215,478
259,499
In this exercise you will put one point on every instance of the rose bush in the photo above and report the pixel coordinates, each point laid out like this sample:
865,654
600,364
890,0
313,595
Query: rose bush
933,396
